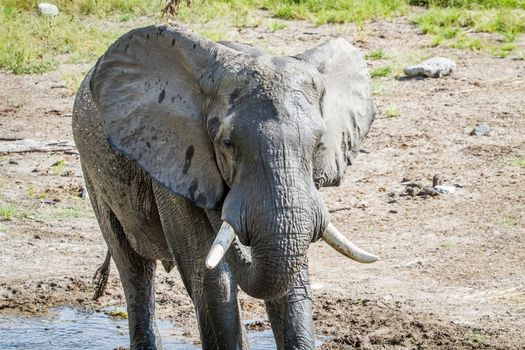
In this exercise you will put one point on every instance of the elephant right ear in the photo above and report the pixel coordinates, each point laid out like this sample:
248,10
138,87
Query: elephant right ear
347,107
148,89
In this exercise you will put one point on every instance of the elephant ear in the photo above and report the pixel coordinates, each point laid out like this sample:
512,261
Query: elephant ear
149,89
347,107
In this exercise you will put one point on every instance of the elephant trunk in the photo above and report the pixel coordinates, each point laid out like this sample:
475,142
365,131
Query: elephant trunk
274,230
266,269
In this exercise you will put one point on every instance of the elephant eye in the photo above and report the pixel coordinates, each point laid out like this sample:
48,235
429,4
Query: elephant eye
227,143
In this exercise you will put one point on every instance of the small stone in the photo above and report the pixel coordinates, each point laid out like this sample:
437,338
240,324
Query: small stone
445,189
435,67
317,285
37,237
414,264
45,9
480,130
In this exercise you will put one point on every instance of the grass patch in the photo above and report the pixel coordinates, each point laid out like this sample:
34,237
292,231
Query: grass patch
117,314
61,214
58,167
392,112
47,213
275,26
73,80
336,11
84,28
446,245
520,163
99,8
38,44
507,221
476,337
460,28
8,212
381,72
213,34
376,55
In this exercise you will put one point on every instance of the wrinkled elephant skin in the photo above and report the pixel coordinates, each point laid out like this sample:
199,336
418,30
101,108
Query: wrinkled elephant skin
179,135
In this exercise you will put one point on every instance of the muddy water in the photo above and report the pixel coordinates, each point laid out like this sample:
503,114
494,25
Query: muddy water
69,328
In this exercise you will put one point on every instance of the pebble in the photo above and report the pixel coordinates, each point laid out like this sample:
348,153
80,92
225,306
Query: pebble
480,130
316,285
435,67
45,9
445,189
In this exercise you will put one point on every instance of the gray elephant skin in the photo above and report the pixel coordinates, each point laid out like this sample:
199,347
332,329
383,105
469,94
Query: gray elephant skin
181,137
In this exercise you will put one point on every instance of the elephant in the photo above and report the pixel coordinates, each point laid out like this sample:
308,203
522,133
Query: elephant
209,156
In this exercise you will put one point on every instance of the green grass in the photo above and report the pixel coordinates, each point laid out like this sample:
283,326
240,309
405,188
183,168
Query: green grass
376,55
460,28
37,44
520,163
82,32
58,167
46,213
392,112
470,4
507,221
336,11
446,245
476,337
8,212
98,8
50,214
381,72
275,26
117,314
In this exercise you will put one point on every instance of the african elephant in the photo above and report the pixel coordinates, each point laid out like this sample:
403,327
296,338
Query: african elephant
194,150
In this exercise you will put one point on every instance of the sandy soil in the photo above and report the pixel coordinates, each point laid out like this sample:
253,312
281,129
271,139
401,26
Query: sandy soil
452,268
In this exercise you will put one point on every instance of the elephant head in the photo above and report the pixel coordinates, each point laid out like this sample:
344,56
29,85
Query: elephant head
253,135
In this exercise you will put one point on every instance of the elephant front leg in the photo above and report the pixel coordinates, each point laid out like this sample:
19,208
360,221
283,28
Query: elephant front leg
214,292
291,316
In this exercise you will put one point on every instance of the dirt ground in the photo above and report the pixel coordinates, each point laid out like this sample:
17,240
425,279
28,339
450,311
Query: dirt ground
451,274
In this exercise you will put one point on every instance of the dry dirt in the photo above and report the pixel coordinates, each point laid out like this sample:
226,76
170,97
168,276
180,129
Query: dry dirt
451,274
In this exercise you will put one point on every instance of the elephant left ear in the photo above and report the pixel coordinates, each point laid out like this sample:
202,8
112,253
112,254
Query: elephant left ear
347,107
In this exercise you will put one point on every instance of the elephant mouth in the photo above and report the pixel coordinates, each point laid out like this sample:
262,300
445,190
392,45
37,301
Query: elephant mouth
331,236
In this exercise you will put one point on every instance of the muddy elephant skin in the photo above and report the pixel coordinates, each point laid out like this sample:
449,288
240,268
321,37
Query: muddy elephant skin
178,135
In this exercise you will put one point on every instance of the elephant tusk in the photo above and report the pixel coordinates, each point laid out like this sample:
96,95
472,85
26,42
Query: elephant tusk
336,240
220,246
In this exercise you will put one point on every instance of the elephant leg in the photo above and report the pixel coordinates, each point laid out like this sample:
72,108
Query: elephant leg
291,316
136,274
214,292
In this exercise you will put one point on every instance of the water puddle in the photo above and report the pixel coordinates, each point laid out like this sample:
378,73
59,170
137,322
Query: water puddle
69,328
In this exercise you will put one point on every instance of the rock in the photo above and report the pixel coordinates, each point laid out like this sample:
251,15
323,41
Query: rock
317,285
445,189
435,67
45,9
480,130
414,264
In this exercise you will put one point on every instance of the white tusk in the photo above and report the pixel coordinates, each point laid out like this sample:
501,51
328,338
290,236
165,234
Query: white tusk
336,240
220,246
